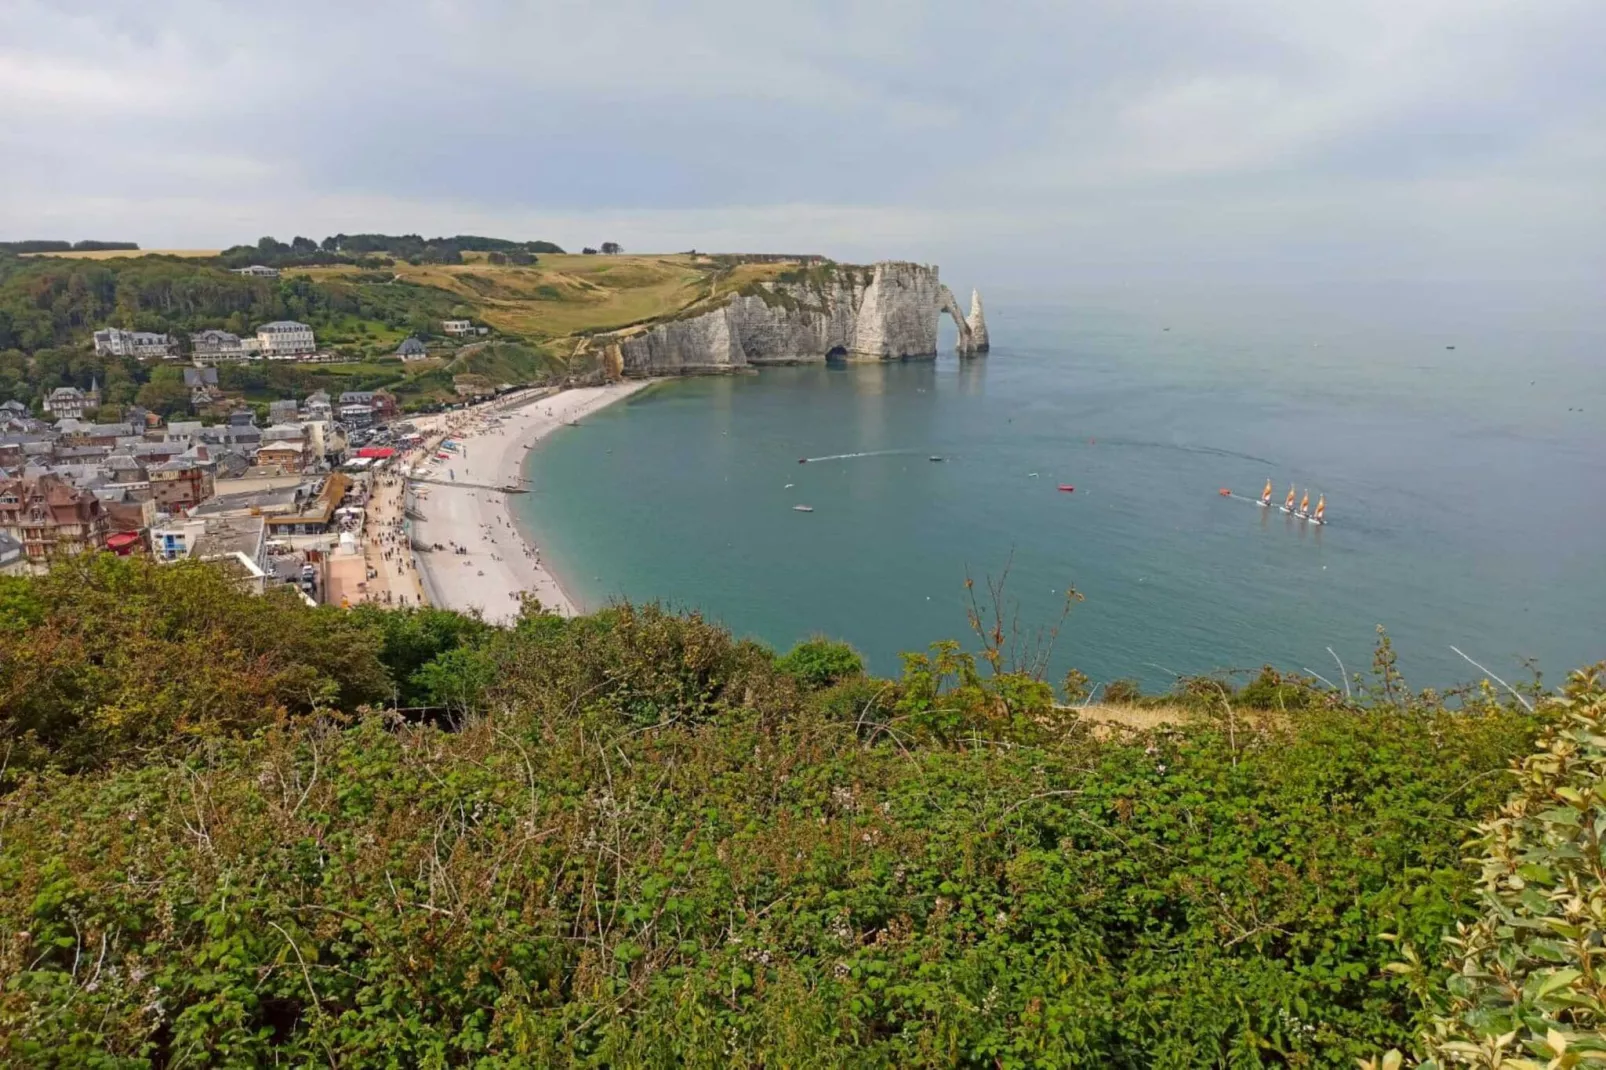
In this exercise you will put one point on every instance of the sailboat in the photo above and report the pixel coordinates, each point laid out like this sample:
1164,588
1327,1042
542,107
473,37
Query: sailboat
1288,503
1321,510
1304,507
1265,496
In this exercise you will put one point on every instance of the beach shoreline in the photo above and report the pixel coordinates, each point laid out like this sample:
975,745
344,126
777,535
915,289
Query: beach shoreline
489,557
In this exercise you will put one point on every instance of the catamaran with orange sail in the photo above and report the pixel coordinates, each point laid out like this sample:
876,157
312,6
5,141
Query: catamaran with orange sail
1319,516
1304,507
1265,496
1288,503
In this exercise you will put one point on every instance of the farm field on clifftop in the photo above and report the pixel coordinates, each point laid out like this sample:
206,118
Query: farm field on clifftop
564,293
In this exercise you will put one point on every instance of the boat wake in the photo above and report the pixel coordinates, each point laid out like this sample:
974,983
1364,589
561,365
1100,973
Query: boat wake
852,456
1211,451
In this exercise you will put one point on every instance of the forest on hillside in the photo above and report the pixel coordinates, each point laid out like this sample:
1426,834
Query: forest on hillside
49,302
242,830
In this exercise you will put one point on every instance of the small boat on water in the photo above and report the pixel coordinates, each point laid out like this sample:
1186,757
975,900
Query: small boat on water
1066,487
802,460
935,459
1225,492
1304,507
1288,503
804,508
1319,516
1265,496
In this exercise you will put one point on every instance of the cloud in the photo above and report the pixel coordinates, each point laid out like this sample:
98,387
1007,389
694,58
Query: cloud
1451,136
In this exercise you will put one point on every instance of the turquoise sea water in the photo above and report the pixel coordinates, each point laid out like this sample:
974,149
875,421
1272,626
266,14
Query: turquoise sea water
1466,487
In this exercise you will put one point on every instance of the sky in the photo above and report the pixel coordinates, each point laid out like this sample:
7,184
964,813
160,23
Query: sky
1076,139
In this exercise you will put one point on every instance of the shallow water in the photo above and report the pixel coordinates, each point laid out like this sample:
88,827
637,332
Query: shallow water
1465,500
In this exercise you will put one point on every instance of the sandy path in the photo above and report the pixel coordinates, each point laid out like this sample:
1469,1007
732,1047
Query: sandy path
498,565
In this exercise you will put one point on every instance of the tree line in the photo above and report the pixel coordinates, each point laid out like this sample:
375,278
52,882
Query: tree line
40,246
380,250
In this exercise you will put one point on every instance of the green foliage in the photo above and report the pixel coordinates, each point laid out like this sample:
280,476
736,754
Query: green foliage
820,662
412,639
644,843
1527,985
509,362
52,302
37,246
1123,692
106,657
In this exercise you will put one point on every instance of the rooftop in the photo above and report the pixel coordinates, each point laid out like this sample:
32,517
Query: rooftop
229,535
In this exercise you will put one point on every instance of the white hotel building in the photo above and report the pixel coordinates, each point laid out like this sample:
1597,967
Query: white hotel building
142,344
286,340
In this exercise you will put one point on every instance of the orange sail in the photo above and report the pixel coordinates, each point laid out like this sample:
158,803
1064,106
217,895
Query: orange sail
1321,506
1288,505
1265,495
1304,503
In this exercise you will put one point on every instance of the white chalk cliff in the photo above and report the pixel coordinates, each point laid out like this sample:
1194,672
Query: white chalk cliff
885,312
979,342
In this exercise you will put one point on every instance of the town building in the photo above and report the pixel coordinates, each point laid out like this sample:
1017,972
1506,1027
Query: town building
146,345
13,560
356,414
213,346
50,517
305,508
68,402
285,340
289,454
257,271
179,485
15,417
281,412
457,328
411,350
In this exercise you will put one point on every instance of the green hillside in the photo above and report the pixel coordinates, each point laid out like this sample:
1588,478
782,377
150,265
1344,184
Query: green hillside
362,305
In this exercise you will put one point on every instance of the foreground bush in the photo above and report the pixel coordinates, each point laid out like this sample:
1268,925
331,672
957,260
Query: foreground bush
106,657
645,844
1527,985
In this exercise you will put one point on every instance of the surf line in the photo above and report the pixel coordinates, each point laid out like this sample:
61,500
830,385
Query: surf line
850,456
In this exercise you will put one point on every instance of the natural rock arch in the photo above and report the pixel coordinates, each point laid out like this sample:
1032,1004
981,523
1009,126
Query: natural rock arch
966,345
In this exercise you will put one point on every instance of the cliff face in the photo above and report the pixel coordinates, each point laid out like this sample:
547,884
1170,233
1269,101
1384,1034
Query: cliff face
977,322
886,312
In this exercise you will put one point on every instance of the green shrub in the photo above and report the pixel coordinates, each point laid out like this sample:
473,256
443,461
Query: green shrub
1123,692
820,662
647,843
1527,983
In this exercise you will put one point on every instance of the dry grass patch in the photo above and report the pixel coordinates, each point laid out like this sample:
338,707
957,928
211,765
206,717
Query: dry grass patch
565,294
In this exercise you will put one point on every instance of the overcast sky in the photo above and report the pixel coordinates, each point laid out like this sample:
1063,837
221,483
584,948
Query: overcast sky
1254,138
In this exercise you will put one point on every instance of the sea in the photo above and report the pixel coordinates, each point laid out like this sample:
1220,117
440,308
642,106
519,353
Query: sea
1458,432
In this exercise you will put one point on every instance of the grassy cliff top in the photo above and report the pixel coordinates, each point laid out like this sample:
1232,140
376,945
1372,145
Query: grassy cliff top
566,294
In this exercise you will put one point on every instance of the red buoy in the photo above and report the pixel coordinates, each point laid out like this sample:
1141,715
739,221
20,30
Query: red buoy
1066,487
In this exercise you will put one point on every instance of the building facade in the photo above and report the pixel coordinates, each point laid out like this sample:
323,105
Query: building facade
69,403
180,485
50,517
285,340
214,345
145,345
